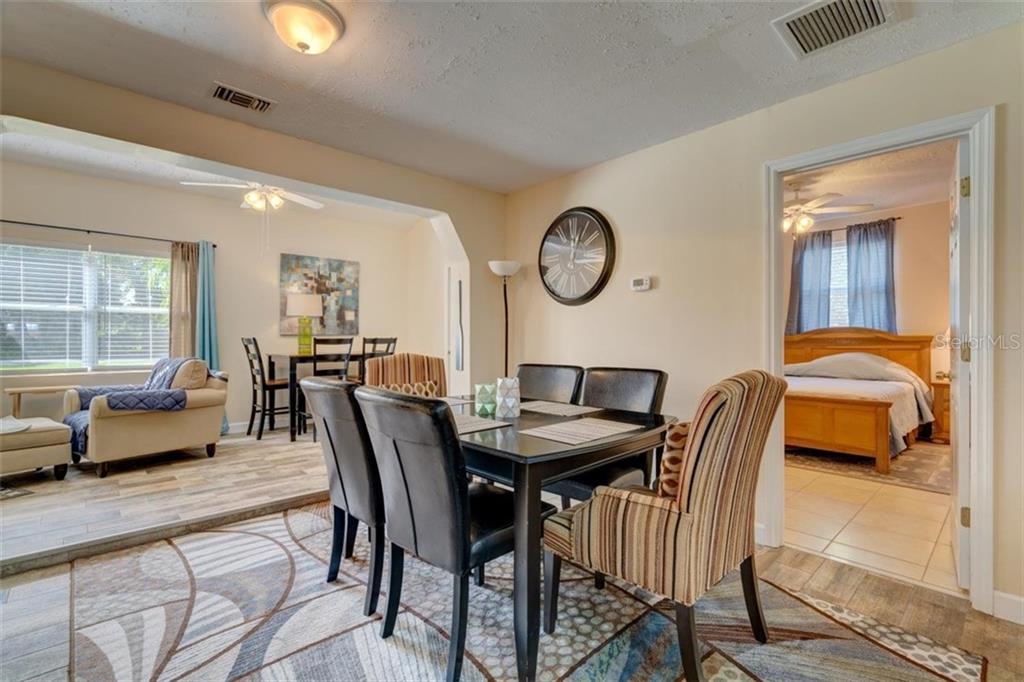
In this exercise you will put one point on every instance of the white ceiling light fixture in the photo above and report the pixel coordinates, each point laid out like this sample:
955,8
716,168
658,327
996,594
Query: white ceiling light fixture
306,26
798,215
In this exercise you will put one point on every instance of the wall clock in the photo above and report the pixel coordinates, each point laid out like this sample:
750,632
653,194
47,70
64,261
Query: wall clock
576,256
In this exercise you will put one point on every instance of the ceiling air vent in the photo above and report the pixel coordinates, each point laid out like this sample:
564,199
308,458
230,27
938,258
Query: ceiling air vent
241,98
822,24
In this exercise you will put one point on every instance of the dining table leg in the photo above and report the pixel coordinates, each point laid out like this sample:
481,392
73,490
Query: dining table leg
293,395
526,590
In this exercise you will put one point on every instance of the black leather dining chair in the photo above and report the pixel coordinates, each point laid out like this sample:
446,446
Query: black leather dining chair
432,510
352,476
557,383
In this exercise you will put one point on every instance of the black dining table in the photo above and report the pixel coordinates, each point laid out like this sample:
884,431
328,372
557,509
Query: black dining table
294,360
527,463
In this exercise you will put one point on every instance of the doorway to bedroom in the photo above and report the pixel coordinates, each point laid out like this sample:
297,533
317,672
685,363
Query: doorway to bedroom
871,286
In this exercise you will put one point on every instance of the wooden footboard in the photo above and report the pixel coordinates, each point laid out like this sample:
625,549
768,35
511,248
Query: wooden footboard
852,426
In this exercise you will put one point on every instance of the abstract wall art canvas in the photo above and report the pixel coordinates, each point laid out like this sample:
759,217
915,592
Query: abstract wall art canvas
334,279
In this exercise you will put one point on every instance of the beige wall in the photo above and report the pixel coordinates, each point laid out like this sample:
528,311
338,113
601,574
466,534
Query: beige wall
690,213
921,268
41,94
391,303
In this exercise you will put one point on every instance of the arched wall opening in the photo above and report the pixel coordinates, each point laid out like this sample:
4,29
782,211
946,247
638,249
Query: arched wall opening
411,258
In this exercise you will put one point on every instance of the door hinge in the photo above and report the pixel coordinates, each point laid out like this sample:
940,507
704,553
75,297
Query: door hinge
965,186
965,517
965,353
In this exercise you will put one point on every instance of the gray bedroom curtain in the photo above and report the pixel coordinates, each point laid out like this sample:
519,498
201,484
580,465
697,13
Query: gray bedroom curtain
184,288
870,283
809,283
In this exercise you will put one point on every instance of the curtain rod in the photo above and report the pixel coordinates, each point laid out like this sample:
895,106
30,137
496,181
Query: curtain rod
89,231
836,229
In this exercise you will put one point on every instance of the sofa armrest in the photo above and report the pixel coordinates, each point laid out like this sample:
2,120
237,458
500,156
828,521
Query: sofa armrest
205,397
72,403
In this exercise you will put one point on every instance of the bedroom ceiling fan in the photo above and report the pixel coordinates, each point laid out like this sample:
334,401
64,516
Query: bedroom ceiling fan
798,214
260,196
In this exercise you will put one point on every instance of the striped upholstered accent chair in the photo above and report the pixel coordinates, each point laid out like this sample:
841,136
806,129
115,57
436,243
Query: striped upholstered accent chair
682,539
409,373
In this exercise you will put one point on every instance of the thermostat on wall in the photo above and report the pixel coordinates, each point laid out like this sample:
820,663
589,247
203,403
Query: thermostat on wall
640,283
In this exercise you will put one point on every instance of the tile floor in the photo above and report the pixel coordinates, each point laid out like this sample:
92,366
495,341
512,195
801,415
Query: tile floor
900,531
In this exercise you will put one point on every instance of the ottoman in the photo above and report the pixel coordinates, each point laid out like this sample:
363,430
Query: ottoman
45,443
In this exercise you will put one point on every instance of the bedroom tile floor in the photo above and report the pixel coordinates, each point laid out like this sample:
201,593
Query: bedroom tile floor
902,532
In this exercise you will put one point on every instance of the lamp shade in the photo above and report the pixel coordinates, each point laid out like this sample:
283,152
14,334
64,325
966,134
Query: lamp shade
305,305
504,268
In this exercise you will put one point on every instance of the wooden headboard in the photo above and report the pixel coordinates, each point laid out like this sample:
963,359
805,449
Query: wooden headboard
913,352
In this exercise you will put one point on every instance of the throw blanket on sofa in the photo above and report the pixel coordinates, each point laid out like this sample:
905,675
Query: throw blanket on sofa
154,395
79,423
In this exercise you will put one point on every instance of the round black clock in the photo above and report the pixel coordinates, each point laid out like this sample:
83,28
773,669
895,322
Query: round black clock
576,256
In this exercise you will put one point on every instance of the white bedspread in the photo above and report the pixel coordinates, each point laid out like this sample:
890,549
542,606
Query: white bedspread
903,415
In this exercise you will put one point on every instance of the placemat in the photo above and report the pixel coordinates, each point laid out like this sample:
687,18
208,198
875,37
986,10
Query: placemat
580,431
468,423
557,409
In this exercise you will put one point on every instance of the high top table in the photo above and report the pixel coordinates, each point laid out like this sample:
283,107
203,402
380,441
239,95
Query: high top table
294,360
526,463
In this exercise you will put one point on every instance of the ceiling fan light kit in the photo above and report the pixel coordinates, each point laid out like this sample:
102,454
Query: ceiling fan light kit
306,26
798,215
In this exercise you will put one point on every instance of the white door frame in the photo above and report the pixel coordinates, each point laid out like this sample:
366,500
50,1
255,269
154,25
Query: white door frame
979,126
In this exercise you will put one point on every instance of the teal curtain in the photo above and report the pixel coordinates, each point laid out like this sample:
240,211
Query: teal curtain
206,314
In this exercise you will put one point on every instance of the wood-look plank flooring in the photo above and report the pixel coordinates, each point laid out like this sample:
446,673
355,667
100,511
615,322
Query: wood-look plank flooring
164,495
939,615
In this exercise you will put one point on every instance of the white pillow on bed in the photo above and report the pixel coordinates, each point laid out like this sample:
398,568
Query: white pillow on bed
863,366
844,366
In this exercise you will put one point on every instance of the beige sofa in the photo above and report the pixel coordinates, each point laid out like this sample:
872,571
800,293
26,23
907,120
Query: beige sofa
45,443
123,434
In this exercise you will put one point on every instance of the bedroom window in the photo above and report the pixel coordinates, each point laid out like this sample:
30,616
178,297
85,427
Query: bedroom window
838,291
80,310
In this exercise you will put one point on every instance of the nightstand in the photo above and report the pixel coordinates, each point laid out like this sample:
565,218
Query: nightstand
940,407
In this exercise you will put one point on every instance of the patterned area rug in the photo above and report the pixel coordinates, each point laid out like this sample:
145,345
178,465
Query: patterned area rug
924,465
249,601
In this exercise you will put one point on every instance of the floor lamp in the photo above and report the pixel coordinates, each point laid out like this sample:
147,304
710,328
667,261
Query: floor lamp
505,269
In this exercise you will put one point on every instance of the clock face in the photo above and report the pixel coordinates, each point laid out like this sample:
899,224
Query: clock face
576,256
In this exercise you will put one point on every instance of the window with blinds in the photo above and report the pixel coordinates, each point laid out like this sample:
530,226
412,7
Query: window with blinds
71,309
838,294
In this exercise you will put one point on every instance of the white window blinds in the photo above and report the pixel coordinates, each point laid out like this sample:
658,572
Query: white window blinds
70,309
838,294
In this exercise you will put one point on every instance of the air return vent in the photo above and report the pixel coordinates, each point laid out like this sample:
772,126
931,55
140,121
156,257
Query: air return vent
241,98
821,24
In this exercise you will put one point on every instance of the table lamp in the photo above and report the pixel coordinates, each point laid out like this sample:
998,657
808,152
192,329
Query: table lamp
305,307
505,269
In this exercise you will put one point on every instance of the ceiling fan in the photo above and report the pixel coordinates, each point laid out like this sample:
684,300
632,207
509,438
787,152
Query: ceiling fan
260,196
799,214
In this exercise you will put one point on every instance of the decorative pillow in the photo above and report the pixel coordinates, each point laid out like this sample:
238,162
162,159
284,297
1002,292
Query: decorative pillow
423,389
672,460
191,375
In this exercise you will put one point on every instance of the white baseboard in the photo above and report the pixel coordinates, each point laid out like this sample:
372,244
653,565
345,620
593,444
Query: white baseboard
238,427
1008,607
761,536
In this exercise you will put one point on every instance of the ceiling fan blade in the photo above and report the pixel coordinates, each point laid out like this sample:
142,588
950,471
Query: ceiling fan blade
821,200
852,208
299,199
214,184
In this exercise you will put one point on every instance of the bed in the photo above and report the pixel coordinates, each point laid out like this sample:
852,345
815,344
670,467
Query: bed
866,418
